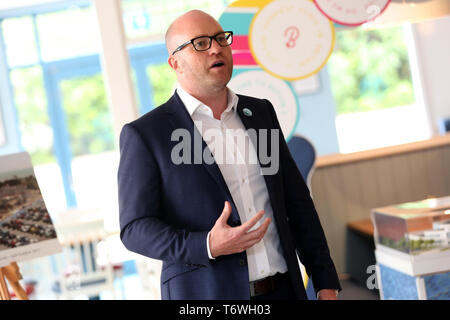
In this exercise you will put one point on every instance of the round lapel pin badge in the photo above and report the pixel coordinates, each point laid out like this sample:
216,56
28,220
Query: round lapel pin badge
247,112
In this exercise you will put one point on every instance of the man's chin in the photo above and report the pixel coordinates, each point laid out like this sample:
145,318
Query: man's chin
219,84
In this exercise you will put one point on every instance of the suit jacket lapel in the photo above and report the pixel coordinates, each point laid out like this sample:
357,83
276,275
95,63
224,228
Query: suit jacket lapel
253,123
181,119
252,120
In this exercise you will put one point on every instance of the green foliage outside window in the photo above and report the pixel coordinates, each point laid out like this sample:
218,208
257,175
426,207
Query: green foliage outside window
163,80
369,70
34,122
88,116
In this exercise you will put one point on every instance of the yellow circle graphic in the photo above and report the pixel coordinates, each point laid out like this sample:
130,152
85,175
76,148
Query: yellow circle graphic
291,39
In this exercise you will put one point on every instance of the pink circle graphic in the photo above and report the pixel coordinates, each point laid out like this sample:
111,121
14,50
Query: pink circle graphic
351,12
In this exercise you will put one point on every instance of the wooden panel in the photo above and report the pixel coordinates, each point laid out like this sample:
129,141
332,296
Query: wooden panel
419,176
335,213
370,187
352,191
402,178
330,206
384,174
320,198
445,155
436,172
339,159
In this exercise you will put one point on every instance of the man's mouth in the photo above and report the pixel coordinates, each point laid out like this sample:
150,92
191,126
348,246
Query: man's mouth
218,64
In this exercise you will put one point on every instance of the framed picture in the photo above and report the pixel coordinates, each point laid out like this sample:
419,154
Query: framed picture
26,229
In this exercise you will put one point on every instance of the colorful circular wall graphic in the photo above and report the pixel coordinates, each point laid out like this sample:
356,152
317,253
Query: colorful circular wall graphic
258,83
238,17
352,12
291,39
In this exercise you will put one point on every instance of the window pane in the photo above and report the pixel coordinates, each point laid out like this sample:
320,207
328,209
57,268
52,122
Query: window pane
31,102
372,86
136,91
163,80
88,117
152,17
19,41
370,70
68,33
37,134
89,121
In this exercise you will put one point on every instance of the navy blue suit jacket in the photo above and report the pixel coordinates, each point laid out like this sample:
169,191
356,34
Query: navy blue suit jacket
166,210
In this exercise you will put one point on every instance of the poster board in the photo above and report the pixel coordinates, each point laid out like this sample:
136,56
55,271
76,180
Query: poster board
26,229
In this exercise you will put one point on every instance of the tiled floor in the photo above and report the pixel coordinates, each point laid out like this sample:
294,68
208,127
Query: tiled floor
130,287
133,290
352,290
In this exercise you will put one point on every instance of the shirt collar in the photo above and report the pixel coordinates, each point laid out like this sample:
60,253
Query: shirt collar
192,104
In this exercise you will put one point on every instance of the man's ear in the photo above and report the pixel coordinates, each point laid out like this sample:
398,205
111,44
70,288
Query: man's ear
173,63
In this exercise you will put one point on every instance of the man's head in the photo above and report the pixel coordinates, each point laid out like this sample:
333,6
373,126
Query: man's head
198,72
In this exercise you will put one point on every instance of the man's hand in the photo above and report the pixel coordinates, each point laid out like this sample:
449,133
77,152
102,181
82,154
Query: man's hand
327,294
224,239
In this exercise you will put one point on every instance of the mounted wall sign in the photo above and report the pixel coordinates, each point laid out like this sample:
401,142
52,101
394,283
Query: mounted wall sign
351,12
291,39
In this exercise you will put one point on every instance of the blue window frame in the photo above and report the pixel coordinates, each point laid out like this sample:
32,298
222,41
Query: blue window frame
53,74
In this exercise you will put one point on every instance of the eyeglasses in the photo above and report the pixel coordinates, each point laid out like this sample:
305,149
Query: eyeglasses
203,43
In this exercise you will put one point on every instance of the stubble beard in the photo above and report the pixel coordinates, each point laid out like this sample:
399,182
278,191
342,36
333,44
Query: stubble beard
209,83
219,84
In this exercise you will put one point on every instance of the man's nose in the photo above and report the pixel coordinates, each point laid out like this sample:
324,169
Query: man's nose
215,47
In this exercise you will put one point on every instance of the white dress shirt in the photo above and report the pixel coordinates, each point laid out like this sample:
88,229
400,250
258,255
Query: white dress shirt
237,161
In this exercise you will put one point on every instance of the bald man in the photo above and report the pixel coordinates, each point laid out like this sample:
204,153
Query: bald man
225,227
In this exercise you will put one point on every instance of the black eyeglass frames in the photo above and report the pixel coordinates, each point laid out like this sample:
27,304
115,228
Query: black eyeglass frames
203,43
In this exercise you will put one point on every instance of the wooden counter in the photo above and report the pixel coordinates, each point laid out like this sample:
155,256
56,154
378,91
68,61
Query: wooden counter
338,159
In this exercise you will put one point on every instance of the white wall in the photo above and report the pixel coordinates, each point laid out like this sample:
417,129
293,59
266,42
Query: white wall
433,49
